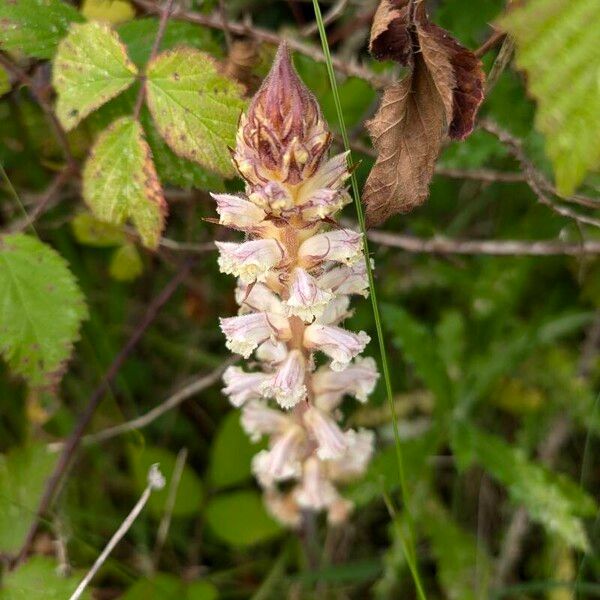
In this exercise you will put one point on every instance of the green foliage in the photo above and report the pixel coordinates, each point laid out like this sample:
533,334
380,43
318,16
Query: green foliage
41,311
90,231
126,263
4,82
189,491
90,68
35,27
196,110
552,500
38,579
120,181
240,519
169,587
23,473
557,47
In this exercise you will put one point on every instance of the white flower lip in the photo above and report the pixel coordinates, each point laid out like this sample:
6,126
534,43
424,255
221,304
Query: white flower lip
337,343
250,261
237,211
258,420
306,299
315,492
287,384
345,279
339,245
330,438
242,387
245,332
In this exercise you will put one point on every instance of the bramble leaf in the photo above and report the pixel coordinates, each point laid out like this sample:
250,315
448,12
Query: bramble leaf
90,68
34,27
109,11
41,309
551,499
23,473
195,108
557,44
120,181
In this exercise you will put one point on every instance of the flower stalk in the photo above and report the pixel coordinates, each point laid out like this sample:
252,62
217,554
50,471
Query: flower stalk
296,270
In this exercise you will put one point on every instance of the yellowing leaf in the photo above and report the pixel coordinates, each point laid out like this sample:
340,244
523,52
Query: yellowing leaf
90,68
41,308
195,108
557,44
126,263
120,181
34,27
110,11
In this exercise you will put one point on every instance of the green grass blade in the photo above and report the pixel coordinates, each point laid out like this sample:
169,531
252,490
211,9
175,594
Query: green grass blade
410,546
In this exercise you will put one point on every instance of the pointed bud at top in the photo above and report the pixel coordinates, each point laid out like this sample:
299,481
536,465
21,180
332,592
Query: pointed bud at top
283,136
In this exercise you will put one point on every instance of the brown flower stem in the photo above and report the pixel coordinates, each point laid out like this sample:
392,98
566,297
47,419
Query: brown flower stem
74,440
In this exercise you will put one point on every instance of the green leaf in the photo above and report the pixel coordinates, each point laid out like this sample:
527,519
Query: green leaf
160,585
557,44
231,453
4,82
90,68
196,109
126,263
35,27
41,309
139,36
201,590
110,11
89,231
120,181
240,519
189,491
551,499
463,568
420,349
38,579
23,474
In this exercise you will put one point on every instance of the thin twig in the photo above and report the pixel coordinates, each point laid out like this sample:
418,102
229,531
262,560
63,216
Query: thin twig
24,79
494,39
162,26
442,245
264,35
155,482
173,401
74,440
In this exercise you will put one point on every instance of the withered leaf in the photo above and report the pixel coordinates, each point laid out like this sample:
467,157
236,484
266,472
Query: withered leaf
438,98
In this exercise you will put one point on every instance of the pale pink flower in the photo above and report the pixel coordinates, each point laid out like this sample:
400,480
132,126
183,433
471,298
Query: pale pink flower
336,311
353,463
250,261
306,299
257,297
315,491
357,379
345,279
339,511
241,386
337,343
330,439
237,211
287,384
338,245
284,508
271,352
272,196
245,332
258,420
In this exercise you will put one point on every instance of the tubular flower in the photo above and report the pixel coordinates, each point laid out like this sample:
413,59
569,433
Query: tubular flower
296,272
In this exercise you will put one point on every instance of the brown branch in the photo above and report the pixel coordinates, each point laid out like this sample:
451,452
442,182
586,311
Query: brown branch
162,26
59,131
74,440
215,21
496,38
441,245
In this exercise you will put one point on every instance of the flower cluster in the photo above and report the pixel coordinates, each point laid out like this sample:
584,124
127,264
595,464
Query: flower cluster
296,272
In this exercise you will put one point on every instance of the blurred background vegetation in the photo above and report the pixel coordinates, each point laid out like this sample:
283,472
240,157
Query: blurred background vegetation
494,357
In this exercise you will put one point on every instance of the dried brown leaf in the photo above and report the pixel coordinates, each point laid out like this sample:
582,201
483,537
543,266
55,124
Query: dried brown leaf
438,98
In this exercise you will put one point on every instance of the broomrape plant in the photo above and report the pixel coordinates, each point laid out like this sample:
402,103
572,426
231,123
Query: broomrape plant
296,271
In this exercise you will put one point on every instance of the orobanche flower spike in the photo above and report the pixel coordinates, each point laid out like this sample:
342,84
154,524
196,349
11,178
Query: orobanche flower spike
296,271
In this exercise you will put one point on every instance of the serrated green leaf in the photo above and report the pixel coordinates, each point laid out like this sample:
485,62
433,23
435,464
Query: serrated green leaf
139,36
557,44
126,263
189,491
41,308
196,109
240,519
38,579
419,346
551,499
90,68
89,231
23,474
35,27
231,453
120,181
